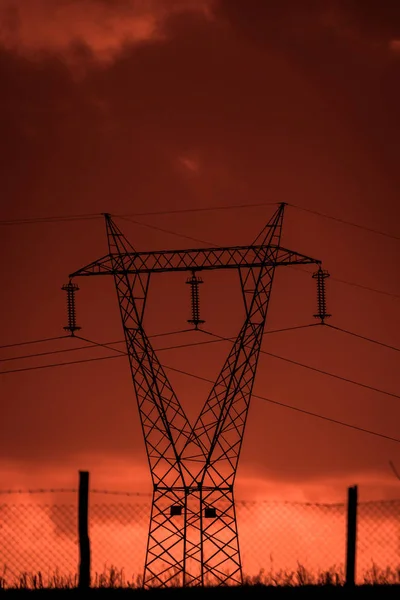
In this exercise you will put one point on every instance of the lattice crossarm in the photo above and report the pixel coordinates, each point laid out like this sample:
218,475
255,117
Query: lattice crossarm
202,259
102,266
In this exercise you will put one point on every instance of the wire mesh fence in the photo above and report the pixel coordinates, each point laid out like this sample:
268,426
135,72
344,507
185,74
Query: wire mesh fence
281,542
38,534
378,536
277,536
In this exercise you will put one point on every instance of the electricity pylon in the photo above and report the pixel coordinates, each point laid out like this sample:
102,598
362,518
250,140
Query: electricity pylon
193,535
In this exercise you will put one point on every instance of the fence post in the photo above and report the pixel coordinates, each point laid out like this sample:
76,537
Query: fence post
83,531
352,499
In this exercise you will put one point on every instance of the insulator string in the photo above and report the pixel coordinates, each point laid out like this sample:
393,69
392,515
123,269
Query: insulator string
71,289
320,276
194,282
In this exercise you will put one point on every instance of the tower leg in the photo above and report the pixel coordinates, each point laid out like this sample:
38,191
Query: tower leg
221,554
166,540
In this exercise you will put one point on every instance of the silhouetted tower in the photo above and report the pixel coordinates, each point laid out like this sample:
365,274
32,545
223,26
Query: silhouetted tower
193,531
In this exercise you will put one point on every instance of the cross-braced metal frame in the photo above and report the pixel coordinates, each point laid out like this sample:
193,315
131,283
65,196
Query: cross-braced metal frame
193,536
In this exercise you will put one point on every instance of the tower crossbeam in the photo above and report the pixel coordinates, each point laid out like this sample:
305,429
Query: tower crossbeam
202,259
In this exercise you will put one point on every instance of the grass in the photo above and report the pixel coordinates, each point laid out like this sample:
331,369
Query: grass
299,577
114,578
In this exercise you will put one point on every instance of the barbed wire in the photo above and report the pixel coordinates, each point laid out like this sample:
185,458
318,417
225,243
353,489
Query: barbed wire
40,491
252,501
71,490
147,494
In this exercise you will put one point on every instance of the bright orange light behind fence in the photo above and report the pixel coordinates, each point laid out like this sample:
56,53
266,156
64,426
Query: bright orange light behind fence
39,535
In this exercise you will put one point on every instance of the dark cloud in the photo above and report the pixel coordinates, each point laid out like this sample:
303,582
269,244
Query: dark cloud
40,27
347,50
378,19
310,19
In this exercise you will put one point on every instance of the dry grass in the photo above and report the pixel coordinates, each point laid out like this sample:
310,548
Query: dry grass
114,578
299,577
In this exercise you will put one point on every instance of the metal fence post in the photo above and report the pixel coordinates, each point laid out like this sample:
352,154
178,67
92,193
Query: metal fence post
83,531
352,499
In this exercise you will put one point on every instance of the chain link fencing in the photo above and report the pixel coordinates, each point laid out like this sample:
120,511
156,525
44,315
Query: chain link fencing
281,542
378,541
38,535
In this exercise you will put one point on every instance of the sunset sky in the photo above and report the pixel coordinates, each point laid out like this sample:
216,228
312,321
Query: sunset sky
138,106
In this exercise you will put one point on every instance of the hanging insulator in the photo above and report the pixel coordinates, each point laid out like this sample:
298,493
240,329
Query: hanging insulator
71,288
320,276
194,282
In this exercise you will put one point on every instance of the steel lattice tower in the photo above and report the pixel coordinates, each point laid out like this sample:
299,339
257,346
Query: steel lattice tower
193,536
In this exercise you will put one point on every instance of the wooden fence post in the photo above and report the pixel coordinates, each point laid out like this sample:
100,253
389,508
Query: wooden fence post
83,531
352,499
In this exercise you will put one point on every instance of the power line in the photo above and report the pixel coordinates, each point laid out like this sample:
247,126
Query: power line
81,217
101,345
94,359
64,364
63,337
108,345
352,283
193,210
62,218
321,371
310,413
363,287
301,410
120,353
52,352
51,339
54,219
362,337
289,406
297,363
163,230
339,220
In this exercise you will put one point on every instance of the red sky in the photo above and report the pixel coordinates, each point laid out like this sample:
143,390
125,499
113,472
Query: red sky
132,106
